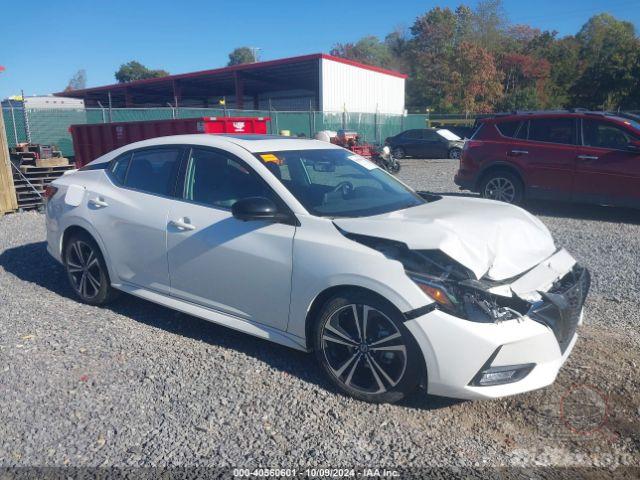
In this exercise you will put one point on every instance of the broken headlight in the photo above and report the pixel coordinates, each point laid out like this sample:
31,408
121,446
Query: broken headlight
464,301
451,285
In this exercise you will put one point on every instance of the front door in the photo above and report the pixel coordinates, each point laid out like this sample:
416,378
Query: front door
608,169
238,268
129,211
433,145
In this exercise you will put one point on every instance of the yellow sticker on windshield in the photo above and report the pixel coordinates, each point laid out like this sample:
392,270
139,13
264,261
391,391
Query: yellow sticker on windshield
270,157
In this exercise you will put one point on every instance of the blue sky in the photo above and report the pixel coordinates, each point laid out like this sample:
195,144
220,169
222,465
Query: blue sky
56,38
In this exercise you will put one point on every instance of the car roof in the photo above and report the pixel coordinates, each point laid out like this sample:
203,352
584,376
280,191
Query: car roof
262,143
621,117
253,143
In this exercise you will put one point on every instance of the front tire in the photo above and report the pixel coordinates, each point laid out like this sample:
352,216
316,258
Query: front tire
502,186
365,349
455,153
87,270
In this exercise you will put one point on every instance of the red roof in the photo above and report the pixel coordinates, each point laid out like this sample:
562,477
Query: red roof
234,68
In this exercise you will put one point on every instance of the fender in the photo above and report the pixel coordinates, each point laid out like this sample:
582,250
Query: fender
300,307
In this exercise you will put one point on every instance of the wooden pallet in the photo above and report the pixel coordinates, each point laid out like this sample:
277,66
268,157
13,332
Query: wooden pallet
32,181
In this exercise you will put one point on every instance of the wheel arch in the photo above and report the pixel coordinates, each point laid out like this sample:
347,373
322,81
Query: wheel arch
319,301
500,167
84,227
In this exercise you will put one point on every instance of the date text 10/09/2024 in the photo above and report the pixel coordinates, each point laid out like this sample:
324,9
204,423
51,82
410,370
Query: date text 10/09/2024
317,472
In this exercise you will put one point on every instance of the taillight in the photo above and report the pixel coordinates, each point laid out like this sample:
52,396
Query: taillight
474,143
50,191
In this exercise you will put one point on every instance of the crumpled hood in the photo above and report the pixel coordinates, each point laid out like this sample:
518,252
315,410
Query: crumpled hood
488,237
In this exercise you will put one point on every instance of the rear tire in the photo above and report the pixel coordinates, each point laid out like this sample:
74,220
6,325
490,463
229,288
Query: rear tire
365,350
502,186
398,153
87,271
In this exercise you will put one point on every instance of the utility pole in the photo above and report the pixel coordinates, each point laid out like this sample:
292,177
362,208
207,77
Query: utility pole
254,52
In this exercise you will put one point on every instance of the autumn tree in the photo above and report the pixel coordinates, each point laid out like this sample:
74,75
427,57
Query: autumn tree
563,56
489,23
473,58
431,49
475,84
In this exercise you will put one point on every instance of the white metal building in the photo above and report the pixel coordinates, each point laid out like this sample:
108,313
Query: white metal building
318,81
359,88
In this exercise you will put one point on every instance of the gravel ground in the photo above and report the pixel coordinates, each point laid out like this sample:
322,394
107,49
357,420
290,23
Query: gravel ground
138,384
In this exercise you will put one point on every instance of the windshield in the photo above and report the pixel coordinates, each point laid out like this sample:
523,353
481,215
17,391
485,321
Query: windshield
337,183
448,134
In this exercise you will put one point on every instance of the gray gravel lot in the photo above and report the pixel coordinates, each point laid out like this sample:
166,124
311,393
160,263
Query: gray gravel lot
138,384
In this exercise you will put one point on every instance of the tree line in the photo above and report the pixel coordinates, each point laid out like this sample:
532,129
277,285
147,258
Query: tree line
474,60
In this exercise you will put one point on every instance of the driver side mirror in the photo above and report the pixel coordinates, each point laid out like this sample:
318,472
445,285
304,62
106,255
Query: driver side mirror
255,208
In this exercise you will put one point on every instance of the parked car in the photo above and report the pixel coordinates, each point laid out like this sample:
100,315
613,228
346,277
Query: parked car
576,156
306,244
463,131
426,143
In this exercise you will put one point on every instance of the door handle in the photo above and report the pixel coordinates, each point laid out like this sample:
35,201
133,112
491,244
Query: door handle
587,157
98,202
516,153
182,224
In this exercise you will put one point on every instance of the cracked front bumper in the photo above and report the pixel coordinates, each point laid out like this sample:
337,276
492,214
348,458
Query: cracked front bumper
455,350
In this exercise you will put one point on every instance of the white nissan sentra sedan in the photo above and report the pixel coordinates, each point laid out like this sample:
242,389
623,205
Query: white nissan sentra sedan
306,244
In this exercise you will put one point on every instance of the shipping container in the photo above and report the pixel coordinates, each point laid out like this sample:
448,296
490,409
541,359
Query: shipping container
93,140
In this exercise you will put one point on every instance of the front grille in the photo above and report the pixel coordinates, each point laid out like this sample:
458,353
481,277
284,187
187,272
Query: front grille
561,306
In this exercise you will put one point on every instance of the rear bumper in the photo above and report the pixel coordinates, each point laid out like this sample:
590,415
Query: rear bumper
452,367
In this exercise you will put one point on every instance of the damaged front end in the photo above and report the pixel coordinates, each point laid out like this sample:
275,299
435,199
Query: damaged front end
551,293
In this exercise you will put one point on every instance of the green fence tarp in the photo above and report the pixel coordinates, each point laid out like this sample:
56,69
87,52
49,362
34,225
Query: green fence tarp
51,126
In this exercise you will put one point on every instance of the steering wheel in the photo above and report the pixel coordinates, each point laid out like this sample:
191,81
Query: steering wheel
346,188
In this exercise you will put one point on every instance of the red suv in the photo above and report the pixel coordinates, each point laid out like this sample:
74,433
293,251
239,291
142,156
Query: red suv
576,156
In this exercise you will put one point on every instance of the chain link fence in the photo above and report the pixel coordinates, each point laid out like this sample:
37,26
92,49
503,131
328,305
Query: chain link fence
51,126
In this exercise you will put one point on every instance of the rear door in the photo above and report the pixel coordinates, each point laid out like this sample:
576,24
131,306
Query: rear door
411,142
545,150
130,211
608,168
242,269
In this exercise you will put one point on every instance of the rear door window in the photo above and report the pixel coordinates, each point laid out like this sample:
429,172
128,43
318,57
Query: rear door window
508,129
596,133
552,130
412,134
154,170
